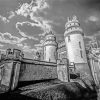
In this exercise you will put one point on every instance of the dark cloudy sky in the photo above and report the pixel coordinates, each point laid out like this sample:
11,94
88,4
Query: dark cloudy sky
24,22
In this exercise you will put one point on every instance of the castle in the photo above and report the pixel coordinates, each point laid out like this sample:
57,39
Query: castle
80,57
72,48
59,60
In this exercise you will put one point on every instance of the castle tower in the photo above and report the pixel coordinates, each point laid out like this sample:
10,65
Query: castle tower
74,40
50,48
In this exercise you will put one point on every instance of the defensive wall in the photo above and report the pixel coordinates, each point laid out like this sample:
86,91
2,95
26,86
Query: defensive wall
37,70
15,68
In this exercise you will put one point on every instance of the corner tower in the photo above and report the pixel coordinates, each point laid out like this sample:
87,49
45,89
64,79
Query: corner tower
50,47
74,41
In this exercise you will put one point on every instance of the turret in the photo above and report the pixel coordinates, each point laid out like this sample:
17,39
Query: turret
50,47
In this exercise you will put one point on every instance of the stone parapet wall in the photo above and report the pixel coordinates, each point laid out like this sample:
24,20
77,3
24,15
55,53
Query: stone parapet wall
31,72
12,54
12,71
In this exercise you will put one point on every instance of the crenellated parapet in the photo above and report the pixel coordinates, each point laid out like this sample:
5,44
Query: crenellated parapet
50,39
72,22
72,26
50,43
12,54
50,36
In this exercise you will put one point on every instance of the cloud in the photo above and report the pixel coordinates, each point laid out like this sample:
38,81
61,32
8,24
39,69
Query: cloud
92,19
88,37
19,44
7,19
1,45
35,6
26,48
30,12
38,45
32,9
38,22
12,14
9,38
92,37
23,33
4,19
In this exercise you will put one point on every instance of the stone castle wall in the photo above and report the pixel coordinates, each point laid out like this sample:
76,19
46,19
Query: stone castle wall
32,72
37,70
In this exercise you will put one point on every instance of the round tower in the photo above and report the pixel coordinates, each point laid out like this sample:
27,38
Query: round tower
74,41
50,47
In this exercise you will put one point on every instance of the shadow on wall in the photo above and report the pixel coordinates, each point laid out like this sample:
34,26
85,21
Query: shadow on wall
26,83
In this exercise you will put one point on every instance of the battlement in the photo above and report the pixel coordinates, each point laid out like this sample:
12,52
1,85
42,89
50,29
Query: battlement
53,43
50,36
50,39
72,22
50,33
12,54
73,26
